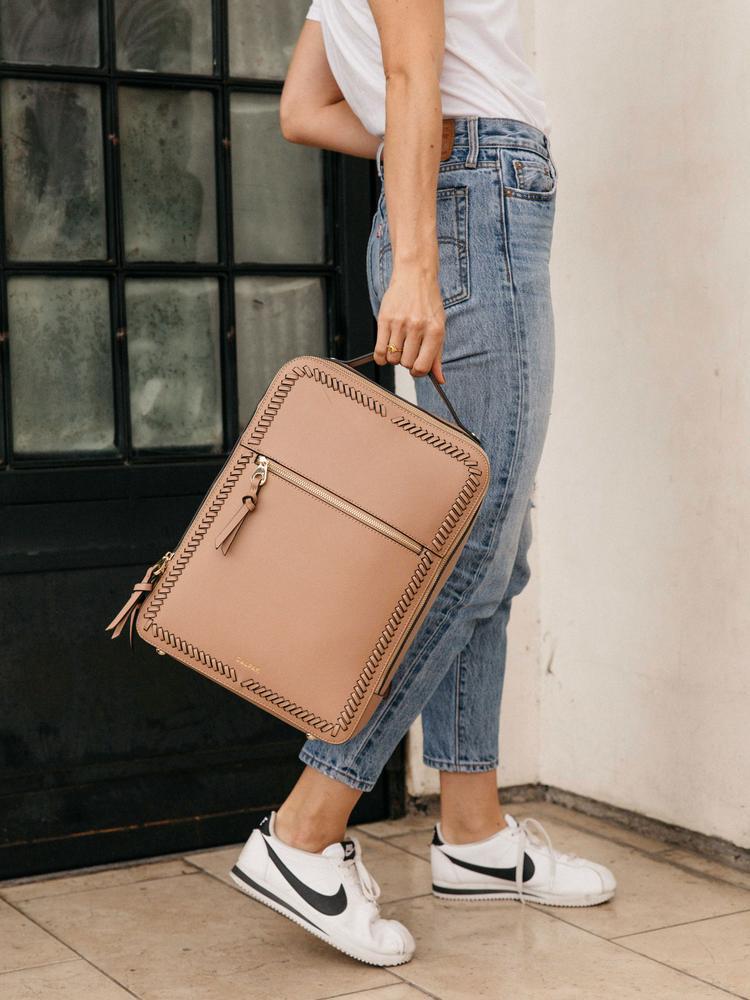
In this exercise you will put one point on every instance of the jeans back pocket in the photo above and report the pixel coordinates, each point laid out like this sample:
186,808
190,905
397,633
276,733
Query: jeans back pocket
453,246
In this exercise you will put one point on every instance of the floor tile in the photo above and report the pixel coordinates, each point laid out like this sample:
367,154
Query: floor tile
93,880
399,875
650,893
23,944
64,981
486,950
713,869
193,937
400,992
395,827
415,843
716,950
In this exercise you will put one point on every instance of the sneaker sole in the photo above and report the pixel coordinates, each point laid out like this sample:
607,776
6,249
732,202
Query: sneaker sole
262,895
501,895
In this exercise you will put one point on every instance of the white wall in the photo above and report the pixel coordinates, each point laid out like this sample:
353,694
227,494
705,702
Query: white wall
628,673
644,494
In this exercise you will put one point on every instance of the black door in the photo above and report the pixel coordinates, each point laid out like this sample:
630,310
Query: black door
162,252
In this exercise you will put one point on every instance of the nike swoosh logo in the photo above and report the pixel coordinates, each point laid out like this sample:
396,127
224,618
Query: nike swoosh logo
330,906
506,873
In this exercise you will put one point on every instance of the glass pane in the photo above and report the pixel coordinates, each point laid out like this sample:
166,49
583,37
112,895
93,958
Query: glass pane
60,365
50,32
278,187
277,319
174,363
168,177
262,36
173,36
54,171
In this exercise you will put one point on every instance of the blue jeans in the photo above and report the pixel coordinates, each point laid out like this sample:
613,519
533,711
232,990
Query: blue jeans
495,209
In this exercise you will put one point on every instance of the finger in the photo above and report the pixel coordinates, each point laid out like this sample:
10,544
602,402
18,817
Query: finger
437,370
424,360
381,343
396,335
395,345
411,348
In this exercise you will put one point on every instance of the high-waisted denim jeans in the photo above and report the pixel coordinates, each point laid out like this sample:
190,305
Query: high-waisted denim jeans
495,209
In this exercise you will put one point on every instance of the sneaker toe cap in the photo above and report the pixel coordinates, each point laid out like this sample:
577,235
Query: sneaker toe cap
395,938
606,877
596,878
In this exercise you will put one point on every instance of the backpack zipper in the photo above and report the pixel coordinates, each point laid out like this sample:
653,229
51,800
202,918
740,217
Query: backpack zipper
333,500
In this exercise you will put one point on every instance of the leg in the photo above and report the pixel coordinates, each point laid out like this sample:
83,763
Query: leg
460,721
498,359
469,806
316,811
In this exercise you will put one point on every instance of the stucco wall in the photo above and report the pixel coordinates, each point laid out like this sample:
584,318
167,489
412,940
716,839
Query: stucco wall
629,663
644,495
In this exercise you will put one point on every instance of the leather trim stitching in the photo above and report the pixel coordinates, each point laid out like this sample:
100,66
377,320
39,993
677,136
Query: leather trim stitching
466,492
320,375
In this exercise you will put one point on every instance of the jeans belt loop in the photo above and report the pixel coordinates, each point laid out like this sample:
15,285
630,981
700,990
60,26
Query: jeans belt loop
472,128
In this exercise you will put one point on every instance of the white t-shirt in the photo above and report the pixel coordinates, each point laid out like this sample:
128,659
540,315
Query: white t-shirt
484,69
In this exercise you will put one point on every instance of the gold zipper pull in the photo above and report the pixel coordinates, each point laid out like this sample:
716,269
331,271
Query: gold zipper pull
161,565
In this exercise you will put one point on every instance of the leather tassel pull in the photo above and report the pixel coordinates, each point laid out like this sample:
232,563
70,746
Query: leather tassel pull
249,502
129,611
225,537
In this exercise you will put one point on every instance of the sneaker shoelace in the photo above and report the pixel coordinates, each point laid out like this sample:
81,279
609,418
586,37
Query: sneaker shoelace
526,836
356,872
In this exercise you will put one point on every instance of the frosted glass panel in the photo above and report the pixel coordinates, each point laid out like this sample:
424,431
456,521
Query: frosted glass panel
53,171
174,363
172,36
168,177
262,36
60,365
277,319
50,32
278,187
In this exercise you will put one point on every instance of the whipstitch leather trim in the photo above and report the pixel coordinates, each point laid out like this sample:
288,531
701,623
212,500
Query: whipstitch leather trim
320,375
467,491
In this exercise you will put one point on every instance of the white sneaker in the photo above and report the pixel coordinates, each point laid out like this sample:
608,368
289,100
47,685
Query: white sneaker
330,894
516,864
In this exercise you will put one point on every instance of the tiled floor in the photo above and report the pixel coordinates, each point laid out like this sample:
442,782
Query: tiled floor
177,929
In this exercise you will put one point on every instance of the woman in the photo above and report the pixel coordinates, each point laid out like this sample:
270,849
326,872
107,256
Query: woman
458,274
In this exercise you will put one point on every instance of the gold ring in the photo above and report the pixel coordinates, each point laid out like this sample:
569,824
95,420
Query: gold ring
392,348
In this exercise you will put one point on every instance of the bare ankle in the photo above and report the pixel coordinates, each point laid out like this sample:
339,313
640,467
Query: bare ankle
466,831
304,832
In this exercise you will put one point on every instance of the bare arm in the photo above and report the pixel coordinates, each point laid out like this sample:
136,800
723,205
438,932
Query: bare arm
313,110
412,40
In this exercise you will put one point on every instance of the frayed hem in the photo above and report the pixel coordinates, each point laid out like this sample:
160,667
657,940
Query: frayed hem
459,767
333,772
